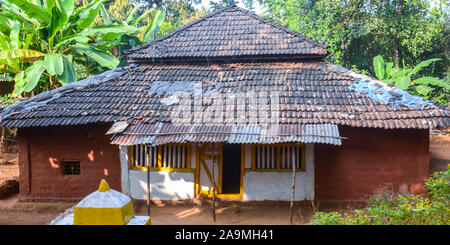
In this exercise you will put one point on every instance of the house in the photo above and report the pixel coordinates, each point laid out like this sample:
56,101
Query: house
250,94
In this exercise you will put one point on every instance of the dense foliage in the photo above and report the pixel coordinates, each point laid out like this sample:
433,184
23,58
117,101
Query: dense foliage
44,43
407,79
178,12
403,31
390,208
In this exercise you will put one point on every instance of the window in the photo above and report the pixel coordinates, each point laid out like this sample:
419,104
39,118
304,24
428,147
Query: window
278,157
165,157
71,167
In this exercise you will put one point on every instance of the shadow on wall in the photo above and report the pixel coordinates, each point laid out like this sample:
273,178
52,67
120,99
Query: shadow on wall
164,185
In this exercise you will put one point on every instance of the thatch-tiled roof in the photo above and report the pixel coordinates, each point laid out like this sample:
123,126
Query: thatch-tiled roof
231,33
234,53
308,92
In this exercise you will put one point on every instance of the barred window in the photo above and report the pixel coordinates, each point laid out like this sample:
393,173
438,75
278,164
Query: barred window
277,157
71,167
265,157
171,156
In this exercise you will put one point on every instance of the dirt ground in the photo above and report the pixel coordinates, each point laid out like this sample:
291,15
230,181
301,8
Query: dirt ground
9,166
15,212
231,215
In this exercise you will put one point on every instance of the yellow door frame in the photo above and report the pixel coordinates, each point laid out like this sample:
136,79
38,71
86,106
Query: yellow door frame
201,157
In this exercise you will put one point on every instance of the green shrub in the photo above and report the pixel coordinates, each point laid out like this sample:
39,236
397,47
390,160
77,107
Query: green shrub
7,100
390,208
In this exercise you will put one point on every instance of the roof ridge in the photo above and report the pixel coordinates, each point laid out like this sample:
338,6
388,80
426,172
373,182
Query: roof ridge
178,30
228,8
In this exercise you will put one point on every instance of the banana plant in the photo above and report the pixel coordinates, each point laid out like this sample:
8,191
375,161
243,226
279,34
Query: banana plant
403,78
149,30
12,48
41,41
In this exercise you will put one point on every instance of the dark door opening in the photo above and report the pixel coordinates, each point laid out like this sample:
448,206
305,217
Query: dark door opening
231,169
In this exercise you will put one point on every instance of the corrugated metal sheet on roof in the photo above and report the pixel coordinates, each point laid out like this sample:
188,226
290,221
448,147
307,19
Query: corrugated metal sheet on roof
161,133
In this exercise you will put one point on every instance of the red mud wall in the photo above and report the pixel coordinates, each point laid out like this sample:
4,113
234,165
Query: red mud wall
42,149
369,160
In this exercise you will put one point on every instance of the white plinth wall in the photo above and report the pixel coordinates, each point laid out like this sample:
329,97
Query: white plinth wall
164,185
257,185
260,186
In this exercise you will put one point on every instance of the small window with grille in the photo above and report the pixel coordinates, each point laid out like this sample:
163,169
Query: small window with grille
165,157
277,157
71,167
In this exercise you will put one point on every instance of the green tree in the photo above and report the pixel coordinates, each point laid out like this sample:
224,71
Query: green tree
147,24
404,31
177,12
216,5
357,30
42,41
326,21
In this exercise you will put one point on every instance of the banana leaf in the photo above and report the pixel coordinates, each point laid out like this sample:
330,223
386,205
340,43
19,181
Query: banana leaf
54,64
403,83
20,83
106,29
433,81
5,22
65,6
68,74
142,16
101,57
33,74
25,54
423,89
131,15
14,36
423,64
28,40
398,73
88,13
389,66
378,66
32,10
68,39
158,18
15,13
105,15
48,5
58,21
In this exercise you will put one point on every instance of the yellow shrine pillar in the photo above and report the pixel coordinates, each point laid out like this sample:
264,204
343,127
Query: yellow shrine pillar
105,207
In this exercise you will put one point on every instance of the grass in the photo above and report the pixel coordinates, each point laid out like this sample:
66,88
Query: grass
391,208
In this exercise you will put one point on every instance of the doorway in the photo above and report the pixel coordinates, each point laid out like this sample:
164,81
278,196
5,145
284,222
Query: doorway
231,169
229,166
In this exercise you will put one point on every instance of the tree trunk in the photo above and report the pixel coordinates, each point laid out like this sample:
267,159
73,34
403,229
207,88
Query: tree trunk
397,34
396,52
